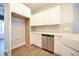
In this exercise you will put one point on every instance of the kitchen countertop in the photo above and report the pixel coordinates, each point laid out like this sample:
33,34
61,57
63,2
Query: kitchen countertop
69,36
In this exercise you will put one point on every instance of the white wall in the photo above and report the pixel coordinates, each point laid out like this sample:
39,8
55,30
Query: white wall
17,32
76,19
7,28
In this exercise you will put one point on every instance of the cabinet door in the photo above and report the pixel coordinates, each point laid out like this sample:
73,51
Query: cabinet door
47,17
37,19
69,51
20,9
57,45
36,39
65,51
45,42
51,43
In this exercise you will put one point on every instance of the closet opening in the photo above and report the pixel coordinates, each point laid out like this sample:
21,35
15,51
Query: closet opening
1,29
20,30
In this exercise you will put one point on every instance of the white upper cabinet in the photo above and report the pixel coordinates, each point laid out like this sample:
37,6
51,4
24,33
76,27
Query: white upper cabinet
52,16
67,13
37,19
48,17
20,9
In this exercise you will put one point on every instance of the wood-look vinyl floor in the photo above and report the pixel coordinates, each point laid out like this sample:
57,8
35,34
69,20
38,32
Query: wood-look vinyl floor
30,51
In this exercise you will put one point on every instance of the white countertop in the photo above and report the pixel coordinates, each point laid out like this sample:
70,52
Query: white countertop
69,36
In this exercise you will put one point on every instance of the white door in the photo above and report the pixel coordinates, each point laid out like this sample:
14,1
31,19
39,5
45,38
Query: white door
17,32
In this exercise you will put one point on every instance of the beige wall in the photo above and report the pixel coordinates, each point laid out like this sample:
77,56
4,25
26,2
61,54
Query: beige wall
17,32
46,28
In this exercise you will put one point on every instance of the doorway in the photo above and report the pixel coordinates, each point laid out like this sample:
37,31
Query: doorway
20,30
1,30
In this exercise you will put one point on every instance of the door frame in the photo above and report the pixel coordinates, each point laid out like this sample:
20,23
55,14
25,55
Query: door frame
27,26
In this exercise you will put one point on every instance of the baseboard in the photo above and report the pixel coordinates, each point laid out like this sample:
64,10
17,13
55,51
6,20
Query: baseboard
36,46
28,44
17,46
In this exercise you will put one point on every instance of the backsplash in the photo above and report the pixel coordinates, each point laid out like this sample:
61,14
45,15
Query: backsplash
46,28
66,28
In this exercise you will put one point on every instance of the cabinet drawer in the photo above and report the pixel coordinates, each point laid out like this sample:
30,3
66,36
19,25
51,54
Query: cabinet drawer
71,43
67,51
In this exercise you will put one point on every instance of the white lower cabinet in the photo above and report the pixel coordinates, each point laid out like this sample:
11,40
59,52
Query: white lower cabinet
66,51
57,45
61,47
36,39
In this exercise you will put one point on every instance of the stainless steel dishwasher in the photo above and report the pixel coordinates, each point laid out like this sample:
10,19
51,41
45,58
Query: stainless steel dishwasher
48,42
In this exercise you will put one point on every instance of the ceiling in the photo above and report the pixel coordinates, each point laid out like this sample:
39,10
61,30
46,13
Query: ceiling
38,7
